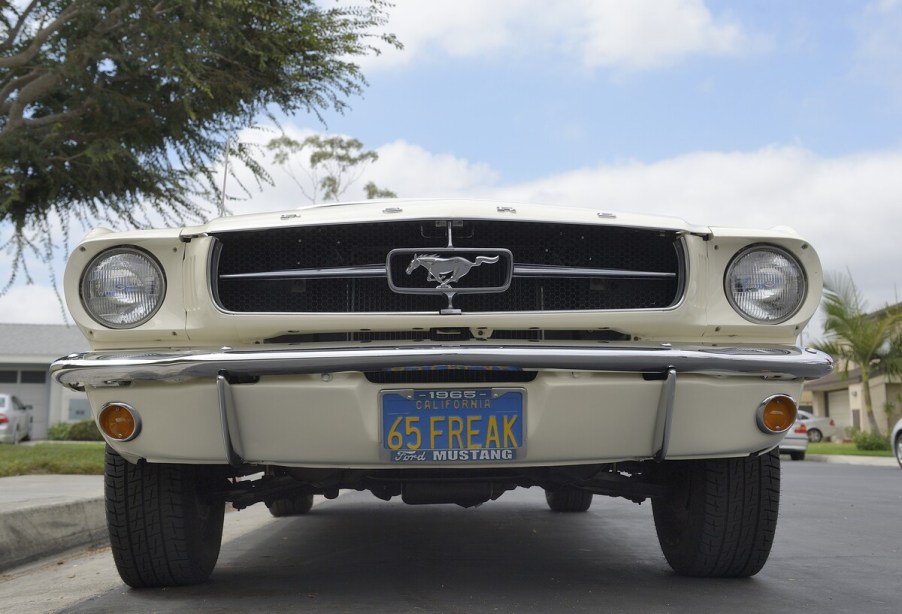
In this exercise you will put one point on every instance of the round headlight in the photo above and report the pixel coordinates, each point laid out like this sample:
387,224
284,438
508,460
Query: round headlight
122,287
765,284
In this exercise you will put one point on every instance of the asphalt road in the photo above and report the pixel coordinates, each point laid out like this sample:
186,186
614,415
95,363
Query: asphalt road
837,550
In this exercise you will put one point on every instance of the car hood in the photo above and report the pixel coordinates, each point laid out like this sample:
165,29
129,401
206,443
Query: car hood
414,209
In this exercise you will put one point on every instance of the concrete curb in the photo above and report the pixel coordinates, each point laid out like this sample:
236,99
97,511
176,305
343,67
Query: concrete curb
33,533
873,461
42,515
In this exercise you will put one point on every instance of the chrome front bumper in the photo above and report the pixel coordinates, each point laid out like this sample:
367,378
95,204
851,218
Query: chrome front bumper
196,371
117,367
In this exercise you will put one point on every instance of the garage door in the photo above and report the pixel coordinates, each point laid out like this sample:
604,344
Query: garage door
838,408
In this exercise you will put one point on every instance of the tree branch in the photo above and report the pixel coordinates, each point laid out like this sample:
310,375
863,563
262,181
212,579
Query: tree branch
13,84
28,94
14,31
23,58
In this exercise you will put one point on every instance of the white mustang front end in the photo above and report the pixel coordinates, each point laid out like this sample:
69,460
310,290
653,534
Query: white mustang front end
443,352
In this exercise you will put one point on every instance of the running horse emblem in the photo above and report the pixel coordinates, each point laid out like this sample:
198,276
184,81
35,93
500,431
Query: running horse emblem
445,271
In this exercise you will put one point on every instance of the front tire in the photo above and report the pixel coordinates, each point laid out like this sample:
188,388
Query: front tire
571,500
720,518
898,447
164,531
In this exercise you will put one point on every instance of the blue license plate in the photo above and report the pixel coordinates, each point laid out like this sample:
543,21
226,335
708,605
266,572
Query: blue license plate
453,424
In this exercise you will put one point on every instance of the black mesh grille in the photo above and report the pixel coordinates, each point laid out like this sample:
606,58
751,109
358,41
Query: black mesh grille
356,245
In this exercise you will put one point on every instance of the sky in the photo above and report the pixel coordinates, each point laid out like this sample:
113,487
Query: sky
760,113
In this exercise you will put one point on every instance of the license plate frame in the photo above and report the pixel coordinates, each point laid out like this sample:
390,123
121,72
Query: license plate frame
452,424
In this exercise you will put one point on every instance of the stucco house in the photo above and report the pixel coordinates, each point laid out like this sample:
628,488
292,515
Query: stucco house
26,351
841,398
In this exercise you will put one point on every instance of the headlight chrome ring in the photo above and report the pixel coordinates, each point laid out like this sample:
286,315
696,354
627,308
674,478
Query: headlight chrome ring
122,287
765,284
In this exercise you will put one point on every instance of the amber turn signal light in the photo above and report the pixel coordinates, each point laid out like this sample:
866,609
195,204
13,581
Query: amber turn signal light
119,422
776,414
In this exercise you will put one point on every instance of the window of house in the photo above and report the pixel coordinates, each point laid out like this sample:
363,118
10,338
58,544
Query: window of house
79,409
34,377
8,377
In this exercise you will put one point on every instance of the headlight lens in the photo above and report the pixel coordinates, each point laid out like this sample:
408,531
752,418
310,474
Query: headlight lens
765,284
122,287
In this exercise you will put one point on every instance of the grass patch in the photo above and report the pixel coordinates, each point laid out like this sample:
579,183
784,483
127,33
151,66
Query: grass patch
52,458
847,449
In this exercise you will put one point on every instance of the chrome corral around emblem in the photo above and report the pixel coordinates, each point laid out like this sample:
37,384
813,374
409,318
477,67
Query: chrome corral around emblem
445,271
449,270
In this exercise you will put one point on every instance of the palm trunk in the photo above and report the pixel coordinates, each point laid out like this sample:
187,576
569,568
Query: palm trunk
868,405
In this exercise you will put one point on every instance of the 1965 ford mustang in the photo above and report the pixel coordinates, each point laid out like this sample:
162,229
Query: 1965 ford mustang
443,352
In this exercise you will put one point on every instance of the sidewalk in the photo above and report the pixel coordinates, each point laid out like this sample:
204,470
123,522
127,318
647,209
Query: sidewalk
41,515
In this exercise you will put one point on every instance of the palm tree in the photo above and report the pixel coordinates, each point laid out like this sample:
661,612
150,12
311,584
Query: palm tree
872,342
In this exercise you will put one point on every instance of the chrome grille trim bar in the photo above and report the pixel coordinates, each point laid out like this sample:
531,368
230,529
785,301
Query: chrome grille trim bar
373,270
529,270
520,270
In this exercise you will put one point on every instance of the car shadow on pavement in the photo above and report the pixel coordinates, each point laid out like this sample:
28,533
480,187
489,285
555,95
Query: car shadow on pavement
361,554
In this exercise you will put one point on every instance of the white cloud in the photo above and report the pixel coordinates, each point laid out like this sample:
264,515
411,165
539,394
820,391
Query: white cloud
634,35
411,170
652,33
35,304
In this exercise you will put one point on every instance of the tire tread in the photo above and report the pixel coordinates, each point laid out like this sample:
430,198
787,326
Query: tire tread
732,519
155,537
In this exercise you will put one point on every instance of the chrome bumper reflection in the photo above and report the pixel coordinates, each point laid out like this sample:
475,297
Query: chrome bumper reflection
116,367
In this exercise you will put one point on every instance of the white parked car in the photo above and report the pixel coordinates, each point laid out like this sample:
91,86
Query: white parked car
16,419
819,427
442,352
795,443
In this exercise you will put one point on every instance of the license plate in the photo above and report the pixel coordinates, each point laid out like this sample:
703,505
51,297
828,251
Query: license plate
459,424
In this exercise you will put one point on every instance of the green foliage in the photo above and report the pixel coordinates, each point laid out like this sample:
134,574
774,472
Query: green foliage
855,337
86,430
870,442
52,458
331,165
372,191
109,108
58,431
